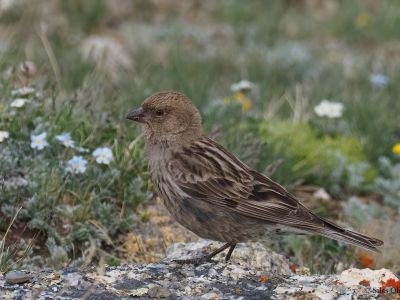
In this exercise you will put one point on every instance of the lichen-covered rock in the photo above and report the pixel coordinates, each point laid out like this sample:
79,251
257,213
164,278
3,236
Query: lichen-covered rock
254,256
373,278
244,277
350,284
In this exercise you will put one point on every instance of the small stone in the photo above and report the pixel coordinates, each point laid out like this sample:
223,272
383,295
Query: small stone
72,279
158,292
212,273
138,292
211,296
235,272
15,277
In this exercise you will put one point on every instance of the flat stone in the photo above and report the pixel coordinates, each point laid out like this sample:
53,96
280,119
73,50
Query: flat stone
15,277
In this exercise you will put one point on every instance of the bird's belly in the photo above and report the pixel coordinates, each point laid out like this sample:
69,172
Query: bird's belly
204,219
214,223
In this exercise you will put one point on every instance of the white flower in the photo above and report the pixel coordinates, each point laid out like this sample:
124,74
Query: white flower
39,141
329,109
20,102
378,80
103,155
322,194
23,92
65,139
243,85
77,164
4,135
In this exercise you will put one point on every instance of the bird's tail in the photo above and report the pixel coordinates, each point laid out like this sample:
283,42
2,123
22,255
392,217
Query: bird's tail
338,233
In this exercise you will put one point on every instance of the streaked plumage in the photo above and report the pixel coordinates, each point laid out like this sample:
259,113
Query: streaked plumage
211,192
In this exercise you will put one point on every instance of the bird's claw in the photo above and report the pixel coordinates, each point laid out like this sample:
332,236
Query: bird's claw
194,261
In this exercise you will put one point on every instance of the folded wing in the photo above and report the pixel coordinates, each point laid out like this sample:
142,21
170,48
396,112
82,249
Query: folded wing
205,171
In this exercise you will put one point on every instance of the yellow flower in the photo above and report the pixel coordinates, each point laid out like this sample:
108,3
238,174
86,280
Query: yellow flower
363,20
227,99
396,149
242,98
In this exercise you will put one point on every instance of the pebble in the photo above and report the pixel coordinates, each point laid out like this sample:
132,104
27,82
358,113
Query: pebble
158,292
15,277
210,296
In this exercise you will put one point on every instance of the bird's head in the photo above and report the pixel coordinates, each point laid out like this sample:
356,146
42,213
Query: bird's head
169,117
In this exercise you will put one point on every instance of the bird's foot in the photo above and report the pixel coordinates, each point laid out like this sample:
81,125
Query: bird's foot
208,258
195,261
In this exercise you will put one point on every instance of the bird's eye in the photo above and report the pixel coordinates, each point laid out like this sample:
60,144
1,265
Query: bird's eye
159,113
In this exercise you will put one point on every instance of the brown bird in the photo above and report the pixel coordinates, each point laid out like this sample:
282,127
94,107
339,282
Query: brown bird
211,192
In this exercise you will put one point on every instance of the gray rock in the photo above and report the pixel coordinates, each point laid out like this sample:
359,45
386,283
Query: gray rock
158,292
211,296
15,277
251,255
239,279
129,284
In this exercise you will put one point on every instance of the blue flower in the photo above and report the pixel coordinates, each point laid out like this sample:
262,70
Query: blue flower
65,139
39,141
76,165
103,155
378,80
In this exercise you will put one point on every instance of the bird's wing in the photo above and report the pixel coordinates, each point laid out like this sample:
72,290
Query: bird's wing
206,171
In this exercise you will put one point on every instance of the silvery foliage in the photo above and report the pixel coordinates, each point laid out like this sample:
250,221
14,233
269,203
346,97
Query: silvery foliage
389,183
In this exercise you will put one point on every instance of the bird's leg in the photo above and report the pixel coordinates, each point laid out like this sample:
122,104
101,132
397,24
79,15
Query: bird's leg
219,250
228,256
207,258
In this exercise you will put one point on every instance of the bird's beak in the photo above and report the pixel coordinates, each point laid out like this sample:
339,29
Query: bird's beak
136,115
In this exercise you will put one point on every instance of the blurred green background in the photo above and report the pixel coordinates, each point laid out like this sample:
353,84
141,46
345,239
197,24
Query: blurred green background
257,70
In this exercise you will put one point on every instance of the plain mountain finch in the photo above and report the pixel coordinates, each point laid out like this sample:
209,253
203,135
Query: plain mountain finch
211,192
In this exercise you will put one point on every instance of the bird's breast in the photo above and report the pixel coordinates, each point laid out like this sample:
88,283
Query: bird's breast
163,182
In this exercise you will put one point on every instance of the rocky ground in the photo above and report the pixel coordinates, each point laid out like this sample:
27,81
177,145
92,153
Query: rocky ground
253,273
